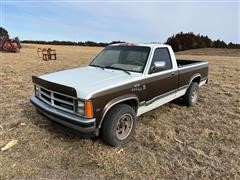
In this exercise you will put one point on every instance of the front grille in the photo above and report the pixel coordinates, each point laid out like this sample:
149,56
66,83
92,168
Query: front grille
60,101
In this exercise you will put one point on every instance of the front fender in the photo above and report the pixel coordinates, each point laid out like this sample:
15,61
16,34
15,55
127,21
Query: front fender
115,101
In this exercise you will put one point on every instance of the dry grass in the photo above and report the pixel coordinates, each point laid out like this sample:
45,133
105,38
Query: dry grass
212,52
172,141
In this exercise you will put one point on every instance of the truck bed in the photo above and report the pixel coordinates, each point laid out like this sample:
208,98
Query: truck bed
189,68
182,62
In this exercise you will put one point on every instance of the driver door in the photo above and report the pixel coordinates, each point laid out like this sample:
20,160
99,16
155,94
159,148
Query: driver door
161,83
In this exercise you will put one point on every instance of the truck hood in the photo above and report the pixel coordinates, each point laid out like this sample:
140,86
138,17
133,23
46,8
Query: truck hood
90,80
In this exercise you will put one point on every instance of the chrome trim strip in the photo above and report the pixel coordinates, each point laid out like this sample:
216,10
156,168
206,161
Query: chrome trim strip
52,98
202,82
42,98
146,103
162,99
55,91
54,105
159,97
64,109
203,79
45,94
195,76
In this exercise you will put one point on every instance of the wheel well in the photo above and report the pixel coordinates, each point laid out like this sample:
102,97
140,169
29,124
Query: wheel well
131,102
196,79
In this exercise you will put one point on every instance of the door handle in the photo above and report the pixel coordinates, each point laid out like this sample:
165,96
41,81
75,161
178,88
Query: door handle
172,73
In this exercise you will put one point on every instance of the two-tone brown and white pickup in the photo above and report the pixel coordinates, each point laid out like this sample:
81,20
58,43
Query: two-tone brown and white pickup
122,82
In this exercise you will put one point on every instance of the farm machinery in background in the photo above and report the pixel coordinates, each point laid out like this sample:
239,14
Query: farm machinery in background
47,53
10,45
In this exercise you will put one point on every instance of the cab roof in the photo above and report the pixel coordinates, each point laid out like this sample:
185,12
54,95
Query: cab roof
151,45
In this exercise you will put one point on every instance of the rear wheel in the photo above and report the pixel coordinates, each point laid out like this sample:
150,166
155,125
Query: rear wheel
191,95
119,125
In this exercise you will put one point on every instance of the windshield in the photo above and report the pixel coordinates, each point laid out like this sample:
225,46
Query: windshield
128,58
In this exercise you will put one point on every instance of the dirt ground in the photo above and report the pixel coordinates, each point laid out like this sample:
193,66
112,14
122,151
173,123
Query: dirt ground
172,141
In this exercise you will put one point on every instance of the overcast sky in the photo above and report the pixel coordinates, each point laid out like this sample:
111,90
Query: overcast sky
105,21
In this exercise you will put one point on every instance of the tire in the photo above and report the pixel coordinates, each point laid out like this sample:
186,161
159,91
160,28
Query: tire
119,125
191,95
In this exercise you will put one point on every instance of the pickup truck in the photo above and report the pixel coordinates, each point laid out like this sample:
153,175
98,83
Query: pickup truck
122,82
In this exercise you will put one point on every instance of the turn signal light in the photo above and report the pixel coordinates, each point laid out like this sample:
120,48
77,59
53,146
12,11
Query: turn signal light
88,109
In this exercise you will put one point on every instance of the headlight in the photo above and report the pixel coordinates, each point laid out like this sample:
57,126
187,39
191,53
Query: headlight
81,107
85,108
36,91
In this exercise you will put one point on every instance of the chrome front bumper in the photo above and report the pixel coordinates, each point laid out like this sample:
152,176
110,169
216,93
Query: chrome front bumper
64,118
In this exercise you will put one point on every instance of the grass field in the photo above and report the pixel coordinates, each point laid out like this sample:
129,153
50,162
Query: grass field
172,141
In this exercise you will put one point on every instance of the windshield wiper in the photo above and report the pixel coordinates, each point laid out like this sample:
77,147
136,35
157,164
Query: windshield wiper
97,66
110,67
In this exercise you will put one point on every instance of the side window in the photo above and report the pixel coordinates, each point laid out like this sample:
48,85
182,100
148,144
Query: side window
161,54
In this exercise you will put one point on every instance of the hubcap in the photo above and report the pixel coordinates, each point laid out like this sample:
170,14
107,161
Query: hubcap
194,95
124,126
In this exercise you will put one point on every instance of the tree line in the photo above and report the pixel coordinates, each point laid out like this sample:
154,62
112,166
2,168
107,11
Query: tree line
68,43
184,41
179,42
71,43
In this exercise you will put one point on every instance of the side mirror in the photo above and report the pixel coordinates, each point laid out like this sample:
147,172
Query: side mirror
158,65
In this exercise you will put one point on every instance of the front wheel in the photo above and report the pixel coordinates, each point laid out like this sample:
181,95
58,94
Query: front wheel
119,125
191,95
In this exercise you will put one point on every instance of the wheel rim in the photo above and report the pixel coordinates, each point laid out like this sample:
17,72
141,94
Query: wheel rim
194,95
124,126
